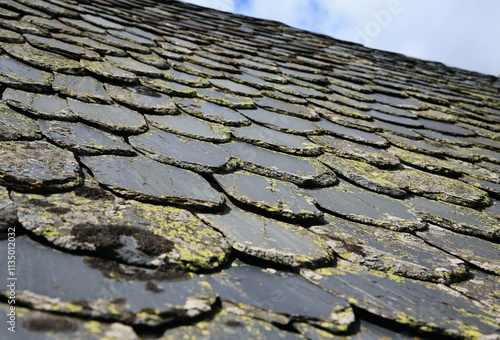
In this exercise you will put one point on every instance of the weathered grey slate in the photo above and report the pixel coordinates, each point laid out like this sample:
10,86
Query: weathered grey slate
37,166
108,70
40,105
276,140
283,293
8,211
352,134
15,126
147,180
302,171
112,117
296,110
142,98
273,195
93,221
482,286
402,103
182,152
390,251
422,306
225,99
59,47
171,88
16,74
360,205
86,88
103,288
134,66
268,239
84,139
484,254
212,112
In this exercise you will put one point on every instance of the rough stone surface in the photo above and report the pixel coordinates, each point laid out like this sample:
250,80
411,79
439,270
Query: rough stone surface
15,126
16,74
142,98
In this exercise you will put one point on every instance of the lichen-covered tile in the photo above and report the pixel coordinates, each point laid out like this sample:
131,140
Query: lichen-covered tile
481,286
350,94
302,171
290,109
284,293
96,222
491,187
43,59
108,70
101,22
15,126
361,173
461,219
91,44
353,150
275,140
169,87
437,187
267,76
40,105
364,206
17,74
340,109
426,307
212,112
23,27
144,179
132,37
228,85
210,63
403,121
83,88
189,126
8,212
185,78
152,59
84,139
8,14
381,108
37,166
113,117
390,251
52,25
119,43
285,97
249,80
341,100
300,91
184,152
59,47
103,288
267,239
10,36
226,325
353,134
482,253
225,98
402,103
36,325
196,70
142,98
441,137
272,195
396,129
134,66
311,77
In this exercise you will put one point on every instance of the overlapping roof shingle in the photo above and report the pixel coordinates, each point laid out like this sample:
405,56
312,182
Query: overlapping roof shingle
179,172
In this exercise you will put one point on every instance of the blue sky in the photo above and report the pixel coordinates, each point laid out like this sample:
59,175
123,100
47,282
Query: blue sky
459,33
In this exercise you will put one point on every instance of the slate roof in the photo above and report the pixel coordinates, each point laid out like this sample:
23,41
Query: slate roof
178,172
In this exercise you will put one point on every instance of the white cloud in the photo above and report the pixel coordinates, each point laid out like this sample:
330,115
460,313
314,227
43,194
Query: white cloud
461,33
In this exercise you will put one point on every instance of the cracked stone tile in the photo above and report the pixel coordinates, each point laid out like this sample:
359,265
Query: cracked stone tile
226,99
8,211
381,108
437,187
16,74
95,222
36,325
103,288
402,103
189,126
91,44
362,206
59,47
268,291
212,112
458,218
290,109
152,59
10,36
353,150
113,117
40,105
169,87
144,179
340,109
143,98
302,171
258,236
275,140
37,166
226,325
403,121
15,126
134,66
482,286
43,59
361,173
84,139
426,307
53,25
183,152
273,195
482,253
108,70
390,251
84,88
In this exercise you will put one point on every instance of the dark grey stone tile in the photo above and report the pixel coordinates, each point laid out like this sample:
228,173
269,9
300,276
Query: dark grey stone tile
134,66
228,85
290,109
59,47
353,134
131,37
377,107
226,99
483,287
185,78
396,129
15,126
402,103
10,36
40,105
403,121
101,22
340,109
212,112
196,70
169,87
143,98
17,74
8,212
84,88
281,122
127,45
53,25
91,44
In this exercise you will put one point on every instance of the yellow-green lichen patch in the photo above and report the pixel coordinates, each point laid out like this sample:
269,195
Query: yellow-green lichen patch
37,166
108,70
92,220
483,286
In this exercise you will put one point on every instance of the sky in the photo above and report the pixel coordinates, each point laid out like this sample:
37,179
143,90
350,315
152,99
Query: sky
459,33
